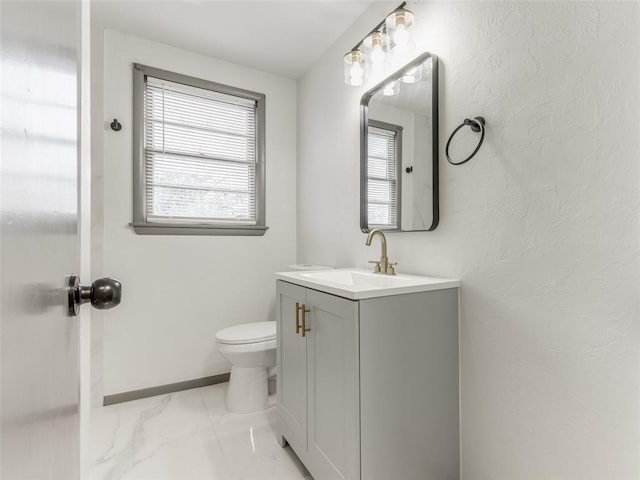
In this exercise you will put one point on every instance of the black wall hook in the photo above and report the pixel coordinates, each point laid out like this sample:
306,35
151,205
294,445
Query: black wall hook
116,126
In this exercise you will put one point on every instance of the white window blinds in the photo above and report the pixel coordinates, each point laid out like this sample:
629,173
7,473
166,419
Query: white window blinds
382,178
199,154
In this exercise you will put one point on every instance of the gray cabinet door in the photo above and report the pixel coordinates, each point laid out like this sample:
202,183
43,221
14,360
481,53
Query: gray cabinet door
333,387
292,367
39,240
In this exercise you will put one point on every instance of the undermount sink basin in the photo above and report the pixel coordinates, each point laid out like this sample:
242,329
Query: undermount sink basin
355,278
356,283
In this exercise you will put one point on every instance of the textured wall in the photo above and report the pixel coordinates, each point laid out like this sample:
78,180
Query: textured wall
178,291
542,227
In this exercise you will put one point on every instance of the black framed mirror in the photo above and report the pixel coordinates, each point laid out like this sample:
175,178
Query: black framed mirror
399,150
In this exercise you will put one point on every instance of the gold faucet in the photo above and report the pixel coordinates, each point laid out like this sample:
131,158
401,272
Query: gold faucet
382,266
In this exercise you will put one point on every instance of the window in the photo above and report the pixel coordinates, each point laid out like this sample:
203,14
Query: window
383,179
198,156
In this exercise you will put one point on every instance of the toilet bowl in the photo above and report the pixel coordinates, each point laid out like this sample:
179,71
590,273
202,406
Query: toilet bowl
251,349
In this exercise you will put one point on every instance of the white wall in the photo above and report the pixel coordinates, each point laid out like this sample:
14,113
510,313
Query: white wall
542,226
178,291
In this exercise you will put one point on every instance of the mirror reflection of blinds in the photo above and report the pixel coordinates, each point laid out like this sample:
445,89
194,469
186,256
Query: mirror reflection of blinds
382,181
200,155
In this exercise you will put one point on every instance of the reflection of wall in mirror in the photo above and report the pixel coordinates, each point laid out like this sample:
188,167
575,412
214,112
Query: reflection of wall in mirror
422,175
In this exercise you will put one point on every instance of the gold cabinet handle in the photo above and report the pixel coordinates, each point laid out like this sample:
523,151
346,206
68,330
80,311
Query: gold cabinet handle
298,318
304,320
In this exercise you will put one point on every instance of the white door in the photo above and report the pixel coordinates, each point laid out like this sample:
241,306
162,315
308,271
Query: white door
39,246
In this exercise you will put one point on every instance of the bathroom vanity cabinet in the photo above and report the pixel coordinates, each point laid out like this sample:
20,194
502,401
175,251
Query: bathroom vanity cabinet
371,389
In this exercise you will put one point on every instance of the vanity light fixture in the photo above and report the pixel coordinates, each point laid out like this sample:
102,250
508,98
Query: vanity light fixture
392,35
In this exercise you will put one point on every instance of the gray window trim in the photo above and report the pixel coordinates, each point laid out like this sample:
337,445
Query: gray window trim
140,224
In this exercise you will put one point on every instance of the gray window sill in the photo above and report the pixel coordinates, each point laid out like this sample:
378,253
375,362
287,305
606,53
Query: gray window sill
195,229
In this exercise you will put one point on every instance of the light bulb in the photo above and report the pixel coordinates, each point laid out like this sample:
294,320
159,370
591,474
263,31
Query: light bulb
374,43
401,37
356,74
377,58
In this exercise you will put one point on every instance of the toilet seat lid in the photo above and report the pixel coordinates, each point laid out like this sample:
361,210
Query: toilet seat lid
247,333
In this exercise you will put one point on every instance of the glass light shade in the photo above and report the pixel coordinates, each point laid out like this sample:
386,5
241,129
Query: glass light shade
402,16
391,88
354,68
375,45
413,76
398,23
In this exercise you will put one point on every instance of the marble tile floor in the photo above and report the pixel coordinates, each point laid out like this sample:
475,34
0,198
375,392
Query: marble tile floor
188,435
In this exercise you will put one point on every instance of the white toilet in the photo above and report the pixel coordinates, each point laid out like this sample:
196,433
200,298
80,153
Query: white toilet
251,349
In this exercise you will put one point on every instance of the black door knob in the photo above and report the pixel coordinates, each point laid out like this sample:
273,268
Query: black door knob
104,293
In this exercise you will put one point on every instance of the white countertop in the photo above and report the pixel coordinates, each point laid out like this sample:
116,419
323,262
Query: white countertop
358,283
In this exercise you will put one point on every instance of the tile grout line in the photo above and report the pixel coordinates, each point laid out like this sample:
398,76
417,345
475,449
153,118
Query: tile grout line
215,433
